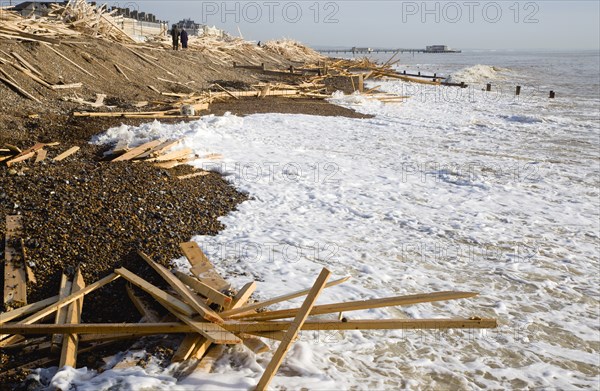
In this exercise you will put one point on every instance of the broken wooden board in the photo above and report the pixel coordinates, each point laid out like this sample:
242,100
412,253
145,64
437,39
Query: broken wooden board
26,154
19,159
217,335
172,163
360,305
56,306
148,314
13,85
175,155
194,175
121,71
137,151
70,61
187,347
205,290
240,299
68,356
202,267
248,327
66,154
208,361
250,308
243,295
159,295
159,149
28,309
40,155
292,332
61,315
15,278
188,296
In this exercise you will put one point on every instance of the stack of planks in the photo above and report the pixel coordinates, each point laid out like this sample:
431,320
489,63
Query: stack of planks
70,19
11,155
158,152
200,101
208,312
293,50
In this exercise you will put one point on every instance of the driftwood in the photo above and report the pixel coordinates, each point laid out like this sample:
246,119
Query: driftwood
230,320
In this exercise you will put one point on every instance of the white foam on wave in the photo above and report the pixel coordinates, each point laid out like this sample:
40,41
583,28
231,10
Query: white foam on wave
497,197
477,74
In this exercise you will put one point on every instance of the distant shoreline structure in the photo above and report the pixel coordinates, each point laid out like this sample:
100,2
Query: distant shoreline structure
366,50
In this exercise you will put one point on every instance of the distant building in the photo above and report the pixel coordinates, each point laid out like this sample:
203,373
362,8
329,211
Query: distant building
139,24
197,29
361,50
437,48
440,49
190,26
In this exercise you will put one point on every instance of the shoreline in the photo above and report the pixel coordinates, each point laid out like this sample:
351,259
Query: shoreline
83,211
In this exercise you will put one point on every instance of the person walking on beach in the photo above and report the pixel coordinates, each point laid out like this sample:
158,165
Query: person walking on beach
175,34
184,39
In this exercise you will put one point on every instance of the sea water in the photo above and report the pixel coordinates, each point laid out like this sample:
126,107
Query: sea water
453,189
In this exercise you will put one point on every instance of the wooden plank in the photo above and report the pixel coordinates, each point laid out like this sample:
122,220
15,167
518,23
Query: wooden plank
243,295
27,152
247,327
202,267
274,335
66,154
226,91
252,307
165,146
207,363
174,155
12,84
205,290
121,71
148,314
40,155
67,86
26,64
67,59
360,305
15,278
20,159
68,356
292,331
69,299
32,76
196,174
58,305
61,315
28,271
255,344
137,151
241,298
217,335
188,296
160,295
172,163
187,347
28,309
29,37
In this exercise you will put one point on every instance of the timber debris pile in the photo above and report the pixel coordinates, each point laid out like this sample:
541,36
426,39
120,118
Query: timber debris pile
292,70
199,304
72,19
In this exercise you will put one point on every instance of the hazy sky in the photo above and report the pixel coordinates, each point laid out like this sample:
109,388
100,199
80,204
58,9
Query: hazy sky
465,24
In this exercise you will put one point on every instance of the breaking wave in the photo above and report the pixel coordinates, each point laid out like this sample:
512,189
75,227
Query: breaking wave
476,74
